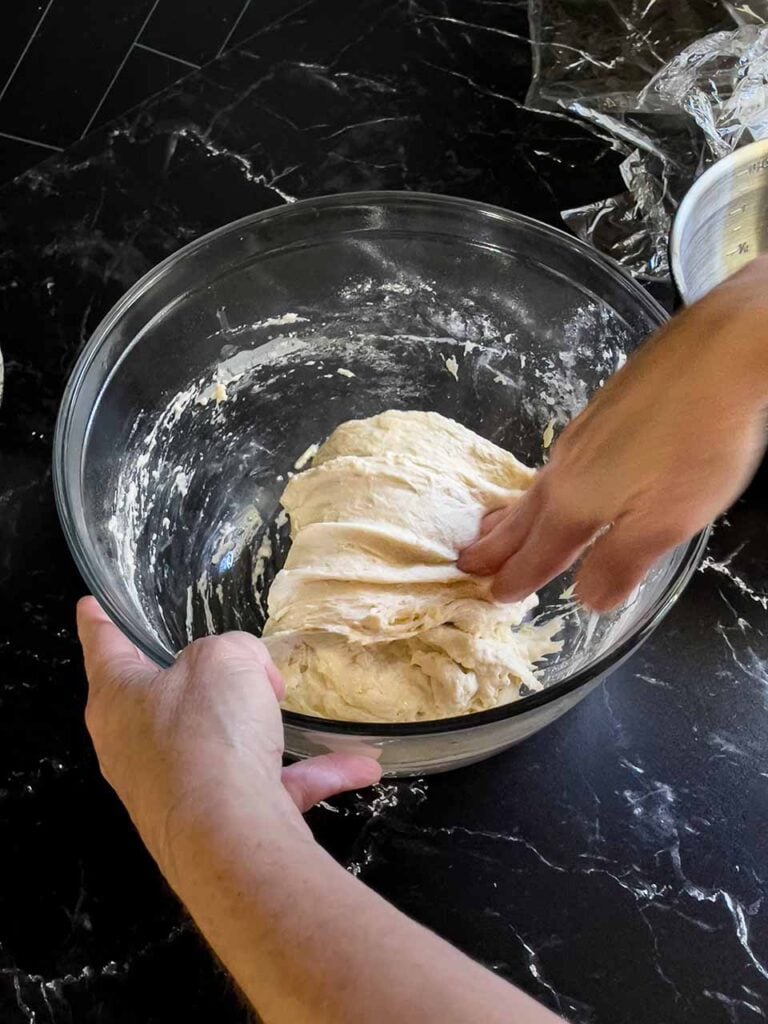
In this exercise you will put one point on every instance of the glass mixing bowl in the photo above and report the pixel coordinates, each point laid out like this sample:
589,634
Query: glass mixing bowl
205,387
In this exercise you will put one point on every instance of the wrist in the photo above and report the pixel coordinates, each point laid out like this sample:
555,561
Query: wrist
744,356
218,819
729,331
749,286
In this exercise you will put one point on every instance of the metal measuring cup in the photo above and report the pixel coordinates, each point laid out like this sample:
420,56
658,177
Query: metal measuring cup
722,222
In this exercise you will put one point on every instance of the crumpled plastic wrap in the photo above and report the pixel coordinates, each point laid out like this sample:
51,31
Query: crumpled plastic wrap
673,103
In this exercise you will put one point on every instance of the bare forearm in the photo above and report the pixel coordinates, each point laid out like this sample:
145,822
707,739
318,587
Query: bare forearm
195,752
307,942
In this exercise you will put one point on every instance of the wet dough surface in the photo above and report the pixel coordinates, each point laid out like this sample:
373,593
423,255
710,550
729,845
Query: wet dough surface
370,619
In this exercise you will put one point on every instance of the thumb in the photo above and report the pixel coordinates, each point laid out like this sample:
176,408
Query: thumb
108,655
316,779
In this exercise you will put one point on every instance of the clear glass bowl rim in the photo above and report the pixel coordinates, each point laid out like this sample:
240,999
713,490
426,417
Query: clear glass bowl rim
88,566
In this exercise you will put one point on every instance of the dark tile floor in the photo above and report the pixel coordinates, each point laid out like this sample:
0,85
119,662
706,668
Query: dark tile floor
67,66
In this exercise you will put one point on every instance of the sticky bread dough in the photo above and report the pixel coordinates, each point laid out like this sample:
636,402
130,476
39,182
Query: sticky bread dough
370,619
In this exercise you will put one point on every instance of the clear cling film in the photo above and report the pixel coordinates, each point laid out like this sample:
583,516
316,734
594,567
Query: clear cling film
673,86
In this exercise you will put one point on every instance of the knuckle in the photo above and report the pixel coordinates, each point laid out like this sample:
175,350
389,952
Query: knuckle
669,538
560,494
686,526
203,650
569,514
245,648
663,534
669,535
201,645
208,652
246,641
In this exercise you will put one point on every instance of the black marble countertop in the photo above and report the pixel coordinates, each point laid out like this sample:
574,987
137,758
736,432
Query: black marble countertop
615,865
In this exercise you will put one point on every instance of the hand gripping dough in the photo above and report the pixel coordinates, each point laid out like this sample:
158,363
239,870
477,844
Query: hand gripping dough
370,620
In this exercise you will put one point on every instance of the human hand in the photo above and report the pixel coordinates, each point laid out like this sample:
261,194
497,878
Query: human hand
178,745
668,444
